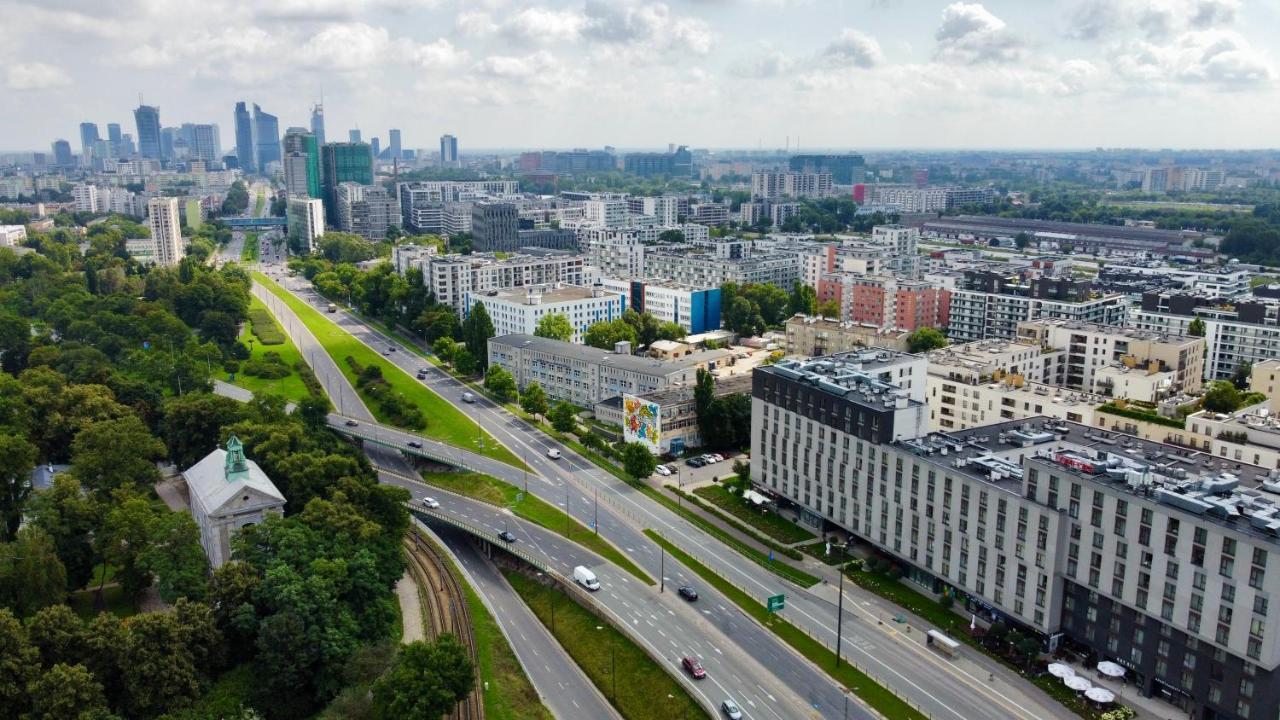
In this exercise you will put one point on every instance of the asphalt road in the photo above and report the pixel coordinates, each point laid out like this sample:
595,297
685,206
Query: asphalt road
941,688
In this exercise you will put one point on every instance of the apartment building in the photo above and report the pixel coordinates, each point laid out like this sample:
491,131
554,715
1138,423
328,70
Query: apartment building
813,336
451,278
1235,332
12,235
991,304
517,311
168,248
696,310
617,252
366,210
899,242
585,375
305,221
773,185
1099,356
701,268
1219,282
409,257
709,213
886,301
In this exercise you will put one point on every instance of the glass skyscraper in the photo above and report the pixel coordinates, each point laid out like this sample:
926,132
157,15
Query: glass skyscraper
148,119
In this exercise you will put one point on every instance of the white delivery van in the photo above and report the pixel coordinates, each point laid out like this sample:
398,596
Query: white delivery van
586,578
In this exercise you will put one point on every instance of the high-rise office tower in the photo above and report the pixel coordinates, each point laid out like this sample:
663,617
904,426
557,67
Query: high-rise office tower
393,144
353,135
202,141
114,148
343,162
448,149
88,136
166,230
62,153
127,147
266,129
244,138
148,120
317,122
167,137
301,163
375,147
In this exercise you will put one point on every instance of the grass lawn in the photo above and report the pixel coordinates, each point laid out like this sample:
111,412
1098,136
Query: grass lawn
534,509
771,524
249,251
874,694
642,684
445,422
290,387
117,604
260,204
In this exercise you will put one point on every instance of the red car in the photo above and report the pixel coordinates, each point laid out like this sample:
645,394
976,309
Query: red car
694,667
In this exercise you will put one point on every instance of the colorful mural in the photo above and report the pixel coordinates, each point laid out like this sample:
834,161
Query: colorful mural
641,422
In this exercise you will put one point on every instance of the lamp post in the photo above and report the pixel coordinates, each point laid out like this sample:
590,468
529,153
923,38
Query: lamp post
840,610
662,569
595,510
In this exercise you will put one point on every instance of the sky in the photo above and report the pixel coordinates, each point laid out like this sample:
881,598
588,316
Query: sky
859,74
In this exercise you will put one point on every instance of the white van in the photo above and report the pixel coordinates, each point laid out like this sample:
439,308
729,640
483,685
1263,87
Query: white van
586,578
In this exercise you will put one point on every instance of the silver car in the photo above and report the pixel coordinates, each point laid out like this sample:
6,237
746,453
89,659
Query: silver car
731,710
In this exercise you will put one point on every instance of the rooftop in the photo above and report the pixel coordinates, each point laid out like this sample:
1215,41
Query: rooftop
1132,333
586,353
548,294
852,375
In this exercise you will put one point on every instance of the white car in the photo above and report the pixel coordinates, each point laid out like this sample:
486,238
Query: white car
554,454
662,470
709,458
430,502
731,710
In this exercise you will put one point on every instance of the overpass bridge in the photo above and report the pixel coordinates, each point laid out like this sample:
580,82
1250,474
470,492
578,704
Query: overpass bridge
419,446
254,223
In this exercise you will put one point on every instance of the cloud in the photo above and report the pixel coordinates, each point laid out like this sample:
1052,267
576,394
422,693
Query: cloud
35,76
1157,19
650,25
854,48
970,34
1220,58
353,47
439,54
772,64
545,24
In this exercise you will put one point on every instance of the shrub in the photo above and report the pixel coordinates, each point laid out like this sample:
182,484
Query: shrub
946,601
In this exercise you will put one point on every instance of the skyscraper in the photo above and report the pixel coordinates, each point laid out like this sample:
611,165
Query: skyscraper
317,122
375,147
114,148
244,138
62,153
301,163
266,138
167,138
88,136
448,149
343,162
202,141
353,135
166,230
148,120
393,143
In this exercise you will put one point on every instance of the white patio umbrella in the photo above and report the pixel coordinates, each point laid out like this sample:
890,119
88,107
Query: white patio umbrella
1077,683
1061,670
1110,669
1100,694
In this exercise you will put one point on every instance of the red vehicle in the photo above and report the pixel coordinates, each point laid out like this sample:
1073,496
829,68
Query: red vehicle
694,667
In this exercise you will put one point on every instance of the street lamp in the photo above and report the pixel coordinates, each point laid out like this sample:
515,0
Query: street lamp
613,664
840,605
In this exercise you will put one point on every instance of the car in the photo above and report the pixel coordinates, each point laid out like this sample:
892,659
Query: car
731,710
687,593
386,352
506,536
468,397
422,372
352,423
694,667
415,444
391,349
718,457
695,462
430,502
553,453
662,470
709,458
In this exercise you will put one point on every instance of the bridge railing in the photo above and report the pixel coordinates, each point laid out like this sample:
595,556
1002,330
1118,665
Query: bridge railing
430,449
481,533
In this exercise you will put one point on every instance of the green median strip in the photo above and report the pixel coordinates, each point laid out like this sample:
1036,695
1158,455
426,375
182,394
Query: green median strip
445,422
872,693
534,509
291,386
249,251
509,694
637,686
769,523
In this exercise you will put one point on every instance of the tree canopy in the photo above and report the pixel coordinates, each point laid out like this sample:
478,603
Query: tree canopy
555,326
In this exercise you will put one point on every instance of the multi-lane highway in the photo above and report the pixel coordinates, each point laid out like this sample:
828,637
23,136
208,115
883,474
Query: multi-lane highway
941,688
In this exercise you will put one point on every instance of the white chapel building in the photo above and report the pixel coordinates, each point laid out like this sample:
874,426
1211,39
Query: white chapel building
228,491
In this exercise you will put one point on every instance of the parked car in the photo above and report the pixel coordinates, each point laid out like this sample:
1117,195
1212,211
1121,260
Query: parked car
731,709
415,444
718,457
694,667
506,536
430,502
695,462
553,453
662,470
687,593
709,459
352,423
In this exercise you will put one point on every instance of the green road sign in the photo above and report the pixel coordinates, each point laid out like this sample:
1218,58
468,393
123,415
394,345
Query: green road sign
777,602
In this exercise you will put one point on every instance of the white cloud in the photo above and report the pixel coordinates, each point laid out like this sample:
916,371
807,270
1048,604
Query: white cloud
970,34
35,76
353,47
439,54
545,25
651,25
772,64
855,48
1157,19
1219,58
476,23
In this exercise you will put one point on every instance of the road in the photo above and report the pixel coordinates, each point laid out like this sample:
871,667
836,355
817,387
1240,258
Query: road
943,689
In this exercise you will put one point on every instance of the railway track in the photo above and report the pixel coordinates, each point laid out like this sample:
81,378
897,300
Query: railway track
446,608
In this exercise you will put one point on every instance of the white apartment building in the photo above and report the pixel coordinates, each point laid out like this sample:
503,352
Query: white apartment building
780,213
166,230
773,185
1249,332
665,208
696,310
617,252
1221,282
517,311
451,278
909,198
900,243
609,212
705,270
85,197
12,235
1113,361
979,315
305,221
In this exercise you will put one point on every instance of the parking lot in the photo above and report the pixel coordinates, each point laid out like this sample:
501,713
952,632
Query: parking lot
690,477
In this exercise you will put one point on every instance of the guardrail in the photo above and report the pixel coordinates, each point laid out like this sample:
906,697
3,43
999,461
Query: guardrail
431,449
482,534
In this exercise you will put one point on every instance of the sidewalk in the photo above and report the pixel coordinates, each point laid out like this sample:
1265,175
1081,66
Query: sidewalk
1126,694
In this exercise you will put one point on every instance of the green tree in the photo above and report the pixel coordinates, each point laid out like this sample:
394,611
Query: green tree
17,459
443,348
1022,240
803,299
70,518
534,399
704,393
193,424
19,665
671,236
1240,378
606,333
464,361
174,556
743,317
555,326
1196,328
57,632
645,325
427,681
124,537
476,332
926,339
158,670
114,454
499,382
31,575
671,331
829,309
68,692
563,417
1222,397
231,593
637,461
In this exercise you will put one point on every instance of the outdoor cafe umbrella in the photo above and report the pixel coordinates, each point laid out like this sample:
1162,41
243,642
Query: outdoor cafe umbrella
1110,669
1061,670
1100,694
1077,683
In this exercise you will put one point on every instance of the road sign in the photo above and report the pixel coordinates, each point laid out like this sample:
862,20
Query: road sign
776,603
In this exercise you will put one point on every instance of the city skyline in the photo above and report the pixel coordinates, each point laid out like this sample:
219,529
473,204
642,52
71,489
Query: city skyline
868,74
